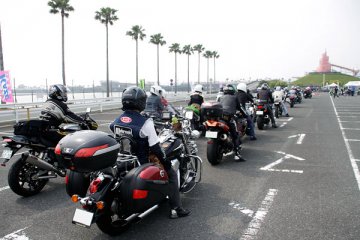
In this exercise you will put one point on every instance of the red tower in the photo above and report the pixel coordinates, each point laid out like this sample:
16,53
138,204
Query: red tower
324,64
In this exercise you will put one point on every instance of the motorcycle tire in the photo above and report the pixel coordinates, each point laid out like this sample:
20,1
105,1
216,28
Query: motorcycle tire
77,183
193,172
277,112
291,104
213,152
19,178
260,123
107,225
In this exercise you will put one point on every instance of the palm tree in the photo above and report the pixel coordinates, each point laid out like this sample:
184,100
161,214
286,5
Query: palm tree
207,55
64,8
215,55
107,16
137,32
157,39
188,50
199,48
175,48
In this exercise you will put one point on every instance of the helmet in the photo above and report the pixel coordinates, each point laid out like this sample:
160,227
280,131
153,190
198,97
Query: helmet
58,92
278,88
198,88
134,98
241,87
264,86
157,90
229,89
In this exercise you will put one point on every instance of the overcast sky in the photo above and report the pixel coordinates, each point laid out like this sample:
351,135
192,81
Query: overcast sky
255,39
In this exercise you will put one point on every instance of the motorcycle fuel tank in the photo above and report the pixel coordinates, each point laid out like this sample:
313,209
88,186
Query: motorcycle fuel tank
87,151
143,187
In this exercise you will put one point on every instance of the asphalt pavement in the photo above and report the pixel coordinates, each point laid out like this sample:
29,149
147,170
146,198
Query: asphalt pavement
300,181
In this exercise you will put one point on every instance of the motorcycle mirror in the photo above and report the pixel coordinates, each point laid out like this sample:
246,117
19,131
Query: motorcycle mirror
195,133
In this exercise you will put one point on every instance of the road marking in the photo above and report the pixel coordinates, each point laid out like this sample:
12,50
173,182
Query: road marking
17,235
259,217
6,133
290,119
270,167
352,140
342,128
246,211
300,139
282,125
347,145
4,188
348,121
103,124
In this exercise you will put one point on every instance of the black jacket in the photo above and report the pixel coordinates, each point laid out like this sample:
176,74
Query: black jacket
243,98
196,98
265,96
230,104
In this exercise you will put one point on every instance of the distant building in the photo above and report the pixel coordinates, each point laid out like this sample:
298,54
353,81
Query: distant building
325,65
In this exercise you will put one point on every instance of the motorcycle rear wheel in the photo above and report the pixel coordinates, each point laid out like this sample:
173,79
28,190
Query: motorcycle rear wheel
20,181
260,123
213,152
108,225
277,112
291,104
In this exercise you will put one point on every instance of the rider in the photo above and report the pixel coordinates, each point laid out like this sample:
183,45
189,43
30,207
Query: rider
142,130
153,103
230,105
196,97
55,109
265,96
279,94
243,97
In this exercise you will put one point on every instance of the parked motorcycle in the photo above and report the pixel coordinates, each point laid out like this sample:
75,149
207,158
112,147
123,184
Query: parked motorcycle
278,108
122,192
217,132
192,112
262,114
292,98
30,173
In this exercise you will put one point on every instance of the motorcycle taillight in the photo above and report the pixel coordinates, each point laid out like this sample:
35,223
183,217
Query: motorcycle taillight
94,185
260,106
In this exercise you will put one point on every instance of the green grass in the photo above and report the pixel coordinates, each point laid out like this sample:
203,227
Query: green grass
316,79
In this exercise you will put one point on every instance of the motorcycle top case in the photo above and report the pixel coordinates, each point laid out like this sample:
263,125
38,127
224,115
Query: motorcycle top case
212,109
87,151
143,187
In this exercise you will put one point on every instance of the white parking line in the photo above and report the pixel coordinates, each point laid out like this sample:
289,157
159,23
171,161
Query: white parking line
301,138
352,140
349,128
255,224
244,210
17,235
4,188
349,121
351,156
282,125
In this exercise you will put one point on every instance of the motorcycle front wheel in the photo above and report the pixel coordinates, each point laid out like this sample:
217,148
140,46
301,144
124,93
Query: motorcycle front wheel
20,178
214,153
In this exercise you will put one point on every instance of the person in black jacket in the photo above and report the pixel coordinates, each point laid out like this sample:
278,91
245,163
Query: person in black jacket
154,105
265,96
230,105
243,97
142,130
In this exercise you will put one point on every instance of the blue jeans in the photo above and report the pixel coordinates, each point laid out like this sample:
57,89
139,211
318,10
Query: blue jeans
250,125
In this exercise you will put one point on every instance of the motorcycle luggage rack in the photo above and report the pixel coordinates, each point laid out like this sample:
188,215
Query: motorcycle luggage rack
126,158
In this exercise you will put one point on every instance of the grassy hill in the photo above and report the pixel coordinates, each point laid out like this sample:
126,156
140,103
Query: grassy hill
316,79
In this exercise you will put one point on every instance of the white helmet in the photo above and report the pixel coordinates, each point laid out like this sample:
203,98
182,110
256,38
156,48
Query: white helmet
278,88
241,87
198,88
157,90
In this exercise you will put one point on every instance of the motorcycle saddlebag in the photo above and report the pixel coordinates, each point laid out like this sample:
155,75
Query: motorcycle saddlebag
87,151
31,128
144,187
212,109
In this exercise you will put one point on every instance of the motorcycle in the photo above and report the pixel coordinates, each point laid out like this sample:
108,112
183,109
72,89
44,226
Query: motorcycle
292,97
217,132
278,108
307,94
121,191
31,172
262,114
192,112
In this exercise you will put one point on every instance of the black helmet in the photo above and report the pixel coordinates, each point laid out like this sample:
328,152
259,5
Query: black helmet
134,98
264,86
58,92
229,89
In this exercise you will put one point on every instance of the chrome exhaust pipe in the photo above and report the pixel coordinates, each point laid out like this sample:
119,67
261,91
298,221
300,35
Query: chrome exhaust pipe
43,164
147,212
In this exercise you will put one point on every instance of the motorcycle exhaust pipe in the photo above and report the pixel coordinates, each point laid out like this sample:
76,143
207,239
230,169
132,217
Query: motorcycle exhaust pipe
137,217
43,164
223,137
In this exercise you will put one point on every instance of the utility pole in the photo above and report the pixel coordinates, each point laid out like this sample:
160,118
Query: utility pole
1,54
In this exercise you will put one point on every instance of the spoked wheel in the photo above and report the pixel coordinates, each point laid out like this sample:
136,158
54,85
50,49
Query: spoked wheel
111,224
192,174
20,178
214,153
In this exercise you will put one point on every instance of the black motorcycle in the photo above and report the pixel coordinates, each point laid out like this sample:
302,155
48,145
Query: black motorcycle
30,173
121,191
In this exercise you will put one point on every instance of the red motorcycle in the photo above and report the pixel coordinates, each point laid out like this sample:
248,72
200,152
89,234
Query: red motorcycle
217,131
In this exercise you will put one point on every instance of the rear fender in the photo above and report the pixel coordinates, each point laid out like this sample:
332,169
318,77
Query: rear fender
216,124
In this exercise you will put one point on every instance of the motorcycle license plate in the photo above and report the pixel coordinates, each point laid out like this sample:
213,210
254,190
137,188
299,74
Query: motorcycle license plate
82,218
189,114
7,154
210,134
259,113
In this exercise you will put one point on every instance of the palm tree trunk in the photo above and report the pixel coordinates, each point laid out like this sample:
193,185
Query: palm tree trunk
175,74
188,73
137,63
158,77
199,69
214,70
63,49
107,63
207,78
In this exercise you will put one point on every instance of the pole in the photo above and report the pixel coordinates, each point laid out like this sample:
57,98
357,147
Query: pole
1,54
15,91
47,89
